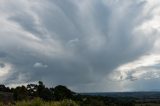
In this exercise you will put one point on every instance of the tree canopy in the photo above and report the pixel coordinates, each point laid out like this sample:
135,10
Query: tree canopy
60,92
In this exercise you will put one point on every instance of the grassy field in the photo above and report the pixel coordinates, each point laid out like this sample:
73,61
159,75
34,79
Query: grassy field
39,102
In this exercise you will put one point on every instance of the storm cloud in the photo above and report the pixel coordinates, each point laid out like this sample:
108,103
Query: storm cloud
84,44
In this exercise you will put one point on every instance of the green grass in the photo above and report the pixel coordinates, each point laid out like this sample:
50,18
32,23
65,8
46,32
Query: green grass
40,102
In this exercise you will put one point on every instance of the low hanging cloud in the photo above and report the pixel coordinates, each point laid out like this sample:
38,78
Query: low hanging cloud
78,43
146,67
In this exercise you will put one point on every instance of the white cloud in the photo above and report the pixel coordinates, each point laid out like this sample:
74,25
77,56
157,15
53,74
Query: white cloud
40,65
145,68
5,71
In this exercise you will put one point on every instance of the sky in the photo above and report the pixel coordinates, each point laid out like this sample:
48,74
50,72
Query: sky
86,45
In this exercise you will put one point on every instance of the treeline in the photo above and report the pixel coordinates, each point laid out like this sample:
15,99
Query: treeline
60,93
31,91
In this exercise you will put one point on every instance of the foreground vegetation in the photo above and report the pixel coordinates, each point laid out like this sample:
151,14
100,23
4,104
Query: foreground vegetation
40,102
40,95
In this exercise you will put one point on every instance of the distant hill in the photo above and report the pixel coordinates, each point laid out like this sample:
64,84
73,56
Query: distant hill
150,94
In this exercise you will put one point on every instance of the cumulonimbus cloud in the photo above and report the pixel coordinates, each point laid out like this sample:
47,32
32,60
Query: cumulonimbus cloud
80,41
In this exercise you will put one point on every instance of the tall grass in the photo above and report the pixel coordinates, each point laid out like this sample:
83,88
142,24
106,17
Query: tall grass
40,102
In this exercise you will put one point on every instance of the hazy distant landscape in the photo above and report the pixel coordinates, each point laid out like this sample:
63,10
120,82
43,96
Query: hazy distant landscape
140,94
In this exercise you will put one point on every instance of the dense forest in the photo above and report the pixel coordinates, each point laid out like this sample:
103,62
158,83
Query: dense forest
40,95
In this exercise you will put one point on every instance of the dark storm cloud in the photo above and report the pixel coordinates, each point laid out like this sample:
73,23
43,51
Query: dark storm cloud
2,54
71,42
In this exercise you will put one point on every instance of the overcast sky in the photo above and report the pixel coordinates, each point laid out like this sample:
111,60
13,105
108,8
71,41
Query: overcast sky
87,45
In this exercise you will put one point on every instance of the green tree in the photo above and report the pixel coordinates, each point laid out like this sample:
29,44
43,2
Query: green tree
20,93
47,94
62,92
40,88
32,90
